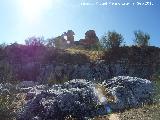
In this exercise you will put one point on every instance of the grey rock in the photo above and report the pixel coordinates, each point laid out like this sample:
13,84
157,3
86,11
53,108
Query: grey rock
129,91
26,84
76,98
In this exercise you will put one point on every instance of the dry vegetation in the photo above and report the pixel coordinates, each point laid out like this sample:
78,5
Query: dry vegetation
148,112
93,55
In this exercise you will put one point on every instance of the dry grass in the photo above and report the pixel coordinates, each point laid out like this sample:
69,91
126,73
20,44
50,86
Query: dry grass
18,101
148,112
93,55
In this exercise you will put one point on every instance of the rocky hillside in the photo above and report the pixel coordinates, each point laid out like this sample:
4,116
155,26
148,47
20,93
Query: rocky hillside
43,64
85,89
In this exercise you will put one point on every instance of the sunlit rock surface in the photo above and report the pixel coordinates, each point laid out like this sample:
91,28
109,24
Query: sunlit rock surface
25,84
6,88
129,91
81,98
75,98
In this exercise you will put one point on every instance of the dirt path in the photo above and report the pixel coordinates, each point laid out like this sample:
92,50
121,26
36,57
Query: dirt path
108,117
114,117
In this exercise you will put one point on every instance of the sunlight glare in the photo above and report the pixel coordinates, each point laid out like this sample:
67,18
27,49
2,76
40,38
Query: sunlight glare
32,10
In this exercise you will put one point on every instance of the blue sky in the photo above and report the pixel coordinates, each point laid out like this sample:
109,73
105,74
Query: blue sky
20,19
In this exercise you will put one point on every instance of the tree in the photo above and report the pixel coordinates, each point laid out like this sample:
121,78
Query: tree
35,41
112,40
141,38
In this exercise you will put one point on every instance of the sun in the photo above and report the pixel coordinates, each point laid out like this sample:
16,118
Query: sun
32,10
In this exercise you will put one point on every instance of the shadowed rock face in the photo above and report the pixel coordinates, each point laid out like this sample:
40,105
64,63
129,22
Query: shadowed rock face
99,71
79,99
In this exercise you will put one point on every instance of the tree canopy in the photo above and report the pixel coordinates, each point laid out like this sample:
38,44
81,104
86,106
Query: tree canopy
112,39
35,41
141,38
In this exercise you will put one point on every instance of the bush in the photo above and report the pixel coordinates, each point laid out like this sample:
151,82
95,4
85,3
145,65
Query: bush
111,40
141,38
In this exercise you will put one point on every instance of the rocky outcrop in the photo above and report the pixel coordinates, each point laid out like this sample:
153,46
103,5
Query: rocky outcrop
26,84
6,88
75,98
129,92
98,71
80,98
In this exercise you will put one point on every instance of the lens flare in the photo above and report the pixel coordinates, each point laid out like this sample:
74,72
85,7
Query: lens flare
105,108
32,10
102,99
